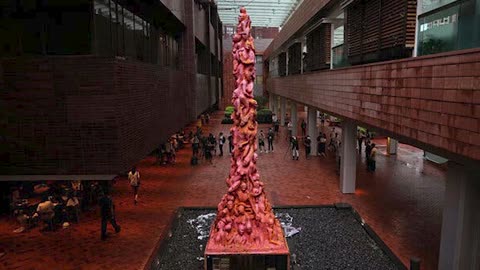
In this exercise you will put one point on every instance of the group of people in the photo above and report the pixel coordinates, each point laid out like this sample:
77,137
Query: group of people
206,146
166,152
269,138
61,203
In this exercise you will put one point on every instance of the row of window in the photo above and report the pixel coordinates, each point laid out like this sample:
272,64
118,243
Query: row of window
120,32
442,26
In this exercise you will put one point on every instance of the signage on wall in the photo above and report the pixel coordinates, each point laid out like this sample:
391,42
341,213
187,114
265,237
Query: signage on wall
439,22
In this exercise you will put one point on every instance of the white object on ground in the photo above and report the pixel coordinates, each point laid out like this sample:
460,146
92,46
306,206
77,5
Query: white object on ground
202,224
287,221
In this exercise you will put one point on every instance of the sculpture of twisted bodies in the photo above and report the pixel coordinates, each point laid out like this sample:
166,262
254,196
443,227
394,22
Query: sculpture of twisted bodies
245,218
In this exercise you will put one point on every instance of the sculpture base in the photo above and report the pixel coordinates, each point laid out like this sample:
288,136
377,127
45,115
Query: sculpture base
247,262
238,257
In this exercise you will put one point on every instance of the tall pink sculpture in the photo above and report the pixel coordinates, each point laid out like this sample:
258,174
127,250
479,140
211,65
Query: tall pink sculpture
245,222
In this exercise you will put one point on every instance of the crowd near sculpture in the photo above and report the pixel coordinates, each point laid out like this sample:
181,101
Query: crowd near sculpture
245,217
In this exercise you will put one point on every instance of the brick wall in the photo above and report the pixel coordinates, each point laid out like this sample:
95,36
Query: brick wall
204,97
87,115
430,101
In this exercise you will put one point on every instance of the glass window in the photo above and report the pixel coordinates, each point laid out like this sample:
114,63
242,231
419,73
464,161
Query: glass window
452,28
338,36
103,42
129,31
259,59
438,32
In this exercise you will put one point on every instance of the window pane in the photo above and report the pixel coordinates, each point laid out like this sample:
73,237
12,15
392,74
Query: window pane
129,34
438,32
102,22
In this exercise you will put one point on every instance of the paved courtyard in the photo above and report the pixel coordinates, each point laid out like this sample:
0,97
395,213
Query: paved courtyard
402,202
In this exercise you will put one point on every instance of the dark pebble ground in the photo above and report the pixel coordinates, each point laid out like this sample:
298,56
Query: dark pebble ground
329,239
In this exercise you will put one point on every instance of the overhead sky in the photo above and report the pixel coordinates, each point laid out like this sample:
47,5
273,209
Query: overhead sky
267,13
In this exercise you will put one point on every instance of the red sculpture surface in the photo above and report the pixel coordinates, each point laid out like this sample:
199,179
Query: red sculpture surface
245,222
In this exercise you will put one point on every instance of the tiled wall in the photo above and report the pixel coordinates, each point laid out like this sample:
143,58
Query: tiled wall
431,101
87,115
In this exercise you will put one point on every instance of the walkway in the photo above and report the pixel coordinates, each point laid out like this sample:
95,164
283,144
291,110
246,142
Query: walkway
402,202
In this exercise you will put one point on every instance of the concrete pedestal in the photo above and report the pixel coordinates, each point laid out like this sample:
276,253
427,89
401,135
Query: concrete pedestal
348,163
460,241
312,129
392,146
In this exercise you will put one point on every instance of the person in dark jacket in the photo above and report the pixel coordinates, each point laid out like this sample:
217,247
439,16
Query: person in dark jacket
107,211
368,151
294,145
308,146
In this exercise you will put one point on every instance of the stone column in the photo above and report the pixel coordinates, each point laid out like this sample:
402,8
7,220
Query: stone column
460,238
348,163
312,129
282,111
275,104
270,102
392,146
293,117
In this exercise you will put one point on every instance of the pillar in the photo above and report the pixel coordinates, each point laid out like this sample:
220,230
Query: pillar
282,111
275,104
293,117
312,129
348,164
270,102
392,146
460,238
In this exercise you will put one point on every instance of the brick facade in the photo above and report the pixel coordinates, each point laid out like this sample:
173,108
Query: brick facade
87,115
432,101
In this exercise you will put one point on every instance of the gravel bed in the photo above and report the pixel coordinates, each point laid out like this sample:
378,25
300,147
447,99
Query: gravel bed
329,239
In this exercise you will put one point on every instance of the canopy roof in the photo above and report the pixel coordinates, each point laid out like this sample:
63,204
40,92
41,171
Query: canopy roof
264,13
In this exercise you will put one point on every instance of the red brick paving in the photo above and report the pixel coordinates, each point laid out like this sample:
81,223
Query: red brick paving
402,201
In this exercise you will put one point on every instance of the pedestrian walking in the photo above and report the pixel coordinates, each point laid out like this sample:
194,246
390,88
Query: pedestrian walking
308,146
107,211
360,138
277,126
134,179
322,145
368,151
270,137
331,144
290,129
207,118
294,146
322,119
221,142
304,127
261,141
195,145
